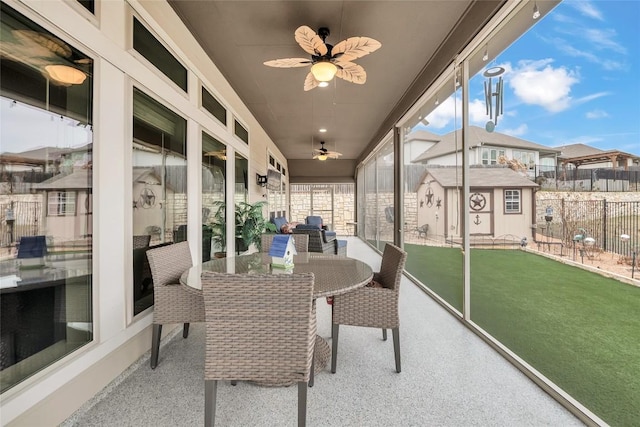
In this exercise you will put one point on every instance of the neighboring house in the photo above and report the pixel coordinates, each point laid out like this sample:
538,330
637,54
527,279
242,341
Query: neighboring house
586,157
68,205
501,203
417,142
486,148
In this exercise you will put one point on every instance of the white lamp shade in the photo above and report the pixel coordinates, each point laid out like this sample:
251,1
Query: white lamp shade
66,74
323,71
322,157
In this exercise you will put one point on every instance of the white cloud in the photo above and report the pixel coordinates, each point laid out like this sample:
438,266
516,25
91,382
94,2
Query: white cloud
591,97
596,114
445,113
603,39
478,112
538,83
587,8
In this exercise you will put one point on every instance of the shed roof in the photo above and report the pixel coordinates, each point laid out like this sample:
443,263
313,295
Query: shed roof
492,177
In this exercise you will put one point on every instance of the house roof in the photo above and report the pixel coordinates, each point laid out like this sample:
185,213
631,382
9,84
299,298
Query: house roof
452,143
423,135
577,150
77,180
491,176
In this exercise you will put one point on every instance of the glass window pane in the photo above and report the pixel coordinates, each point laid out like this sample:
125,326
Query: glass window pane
544,275
148,46
240,131
90,5
159,186
214,171
211,104
433,206
46,221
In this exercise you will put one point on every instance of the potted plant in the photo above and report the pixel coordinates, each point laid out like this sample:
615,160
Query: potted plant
250,224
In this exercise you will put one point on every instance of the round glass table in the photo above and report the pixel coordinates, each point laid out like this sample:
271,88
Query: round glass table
333,275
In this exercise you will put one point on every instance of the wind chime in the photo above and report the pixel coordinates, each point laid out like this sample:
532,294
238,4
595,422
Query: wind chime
492,95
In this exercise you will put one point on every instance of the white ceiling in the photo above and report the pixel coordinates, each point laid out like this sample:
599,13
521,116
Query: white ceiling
419,38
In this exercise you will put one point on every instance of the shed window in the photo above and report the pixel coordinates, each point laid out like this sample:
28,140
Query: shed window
512,201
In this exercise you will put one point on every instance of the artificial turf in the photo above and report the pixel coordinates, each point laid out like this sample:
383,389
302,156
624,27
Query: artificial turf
579,329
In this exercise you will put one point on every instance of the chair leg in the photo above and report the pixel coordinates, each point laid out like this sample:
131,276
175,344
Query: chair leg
334,346
396,346
185,330
210,391
155,345
302,404
384,335
312,372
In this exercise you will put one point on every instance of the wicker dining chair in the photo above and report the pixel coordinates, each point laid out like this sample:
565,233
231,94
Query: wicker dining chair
372,306
258,328
301,242
172,303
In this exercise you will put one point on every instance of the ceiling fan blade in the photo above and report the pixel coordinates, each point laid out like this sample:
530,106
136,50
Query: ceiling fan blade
288,62
354,47
334,153
351,72
310,82
310,41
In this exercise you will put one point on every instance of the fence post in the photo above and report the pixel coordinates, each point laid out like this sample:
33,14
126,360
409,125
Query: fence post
604,225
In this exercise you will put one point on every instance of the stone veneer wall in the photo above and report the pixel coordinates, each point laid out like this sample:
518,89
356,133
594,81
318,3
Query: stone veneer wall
343,209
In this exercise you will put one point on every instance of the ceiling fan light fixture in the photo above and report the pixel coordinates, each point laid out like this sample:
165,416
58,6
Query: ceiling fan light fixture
323,84
66,74
324,71
322,157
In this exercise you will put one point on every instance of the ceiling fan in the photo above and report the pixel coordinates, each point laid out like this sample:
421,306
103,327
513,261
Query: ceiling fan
326,60
323,154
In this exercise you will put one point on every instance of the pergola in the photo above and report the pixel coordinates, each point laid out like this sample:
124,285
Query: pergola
613,156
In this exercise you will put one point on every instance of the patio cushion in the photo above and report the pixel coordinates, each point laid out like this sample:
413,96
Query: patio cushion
314,220
279,222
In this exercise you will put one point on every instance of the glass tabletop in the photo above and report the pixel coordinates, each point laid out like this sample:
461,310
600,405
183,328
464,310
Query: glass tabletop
333,275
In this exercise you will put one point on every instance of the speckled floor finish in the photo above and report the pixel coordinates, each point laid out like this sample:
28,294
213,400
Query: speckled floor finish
450,377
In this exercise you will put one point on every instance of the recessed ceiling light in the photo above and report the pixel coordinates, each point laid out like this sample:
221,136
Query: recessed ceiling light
323,84
323,130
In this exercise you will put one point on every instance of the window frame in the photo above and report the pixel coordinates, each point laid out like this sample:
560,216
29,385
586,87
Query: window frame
56,204
508,198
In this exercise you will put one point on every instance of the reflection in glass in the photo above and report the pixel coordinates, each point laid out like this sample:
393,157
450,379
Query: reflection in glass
46,211
159,186
214,164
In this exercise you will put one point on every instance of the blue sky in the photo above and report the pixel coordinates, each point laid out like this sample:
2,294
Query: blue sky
574,77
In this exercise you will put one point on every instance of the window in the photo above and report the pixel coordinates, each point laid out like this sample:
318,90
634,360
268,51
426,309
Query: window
148,46
511,201
211,104
47,310
241,132
61,203
490,155
214,166
272,161
527,158
159,186
90,5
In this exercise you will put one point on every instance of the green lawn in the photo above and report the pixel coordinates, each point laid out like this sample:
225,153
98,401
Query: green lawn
579,329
